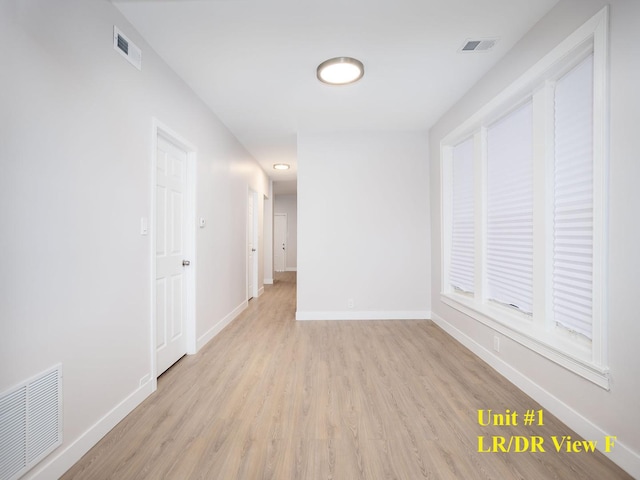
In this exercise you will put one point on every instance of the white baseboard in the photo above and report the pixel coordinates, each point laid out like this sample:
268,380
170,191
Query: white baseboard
268,281
364,315
217,328
291,269
59,462
260,291
621,454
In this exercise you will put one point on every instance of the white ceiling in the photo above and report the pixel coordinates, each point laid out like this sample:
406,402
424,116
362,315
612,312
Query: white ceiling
254,61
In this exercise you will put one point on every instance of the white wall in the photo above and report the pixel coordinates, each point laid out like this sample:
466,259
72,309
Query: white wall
363,225
268,236
75,147
585,407
289,204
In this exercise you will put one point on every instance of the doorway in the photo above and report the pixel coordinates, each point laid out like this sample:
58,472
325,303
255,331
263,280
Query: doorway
280,242
252,245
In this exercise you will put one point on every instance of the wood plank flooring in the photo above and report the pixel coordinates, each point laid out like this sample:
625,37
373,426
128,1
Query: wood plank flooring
272,398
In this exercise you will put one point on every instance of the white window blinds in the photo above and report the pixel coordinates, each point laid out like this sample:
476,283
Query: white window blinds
510,210
461,267
573,200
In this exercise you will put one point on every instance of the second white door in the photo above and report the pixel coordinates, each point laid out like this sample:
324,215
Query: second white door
279,242
252,244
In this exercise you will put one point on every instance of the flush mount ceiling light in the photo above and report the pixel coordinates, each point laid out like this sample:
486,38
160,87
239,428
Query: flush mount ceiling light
340,71
281,166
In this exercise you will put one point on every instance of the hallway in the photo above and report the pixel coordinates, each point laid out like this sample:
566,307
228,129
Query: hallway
270,397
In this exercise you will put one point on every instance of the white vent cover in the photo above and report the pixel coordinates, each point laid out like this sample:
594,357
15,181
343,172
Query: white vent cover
30,423
478,45
127,48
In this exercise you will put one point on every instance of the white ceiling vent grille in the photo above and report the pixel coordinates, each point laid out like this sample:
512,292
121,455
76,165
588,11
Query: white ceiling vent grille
127,48
30,423
478,45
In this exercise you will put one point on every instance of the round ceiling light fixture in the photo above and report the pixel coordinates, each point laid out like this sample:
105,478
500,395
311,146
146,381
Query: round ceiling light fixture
281,166
340,71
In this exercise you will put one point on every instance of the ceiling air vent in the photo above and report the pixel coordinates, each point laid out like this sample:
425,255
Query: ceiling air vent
478,45
126,48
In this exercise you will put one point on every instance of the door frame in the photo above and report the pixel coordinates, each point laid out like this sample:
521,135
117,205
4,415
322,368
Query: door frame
252,197
160,129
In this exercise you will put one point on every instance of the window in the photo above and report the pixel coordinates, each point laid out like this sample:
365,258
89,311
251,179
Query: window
510,210
523,208
573,200
461,269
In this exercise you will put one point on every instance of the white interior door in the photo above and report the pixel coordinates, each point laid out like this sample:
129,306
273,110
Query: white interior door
251,248
280,242
171,261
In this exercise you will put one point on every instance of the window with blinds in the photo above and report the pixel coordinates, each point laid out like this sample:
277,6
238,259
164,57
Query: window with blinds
461,266
509,260
524,208
573,200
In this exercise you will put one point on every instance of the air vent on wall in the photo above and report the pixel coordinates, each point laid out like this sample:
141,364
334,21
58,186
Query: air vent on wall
127,48
478,45
30,423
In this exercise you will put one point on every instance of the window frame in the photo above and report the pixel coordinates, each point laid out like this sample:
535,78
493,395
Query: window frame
538,332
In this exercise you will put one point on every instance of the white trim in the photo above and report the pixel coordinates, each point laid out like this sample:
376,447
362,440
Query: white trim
621,454
600,187
364,315
268,281
152,255
519,329
291,269
260,291
217,328
192,182
58,463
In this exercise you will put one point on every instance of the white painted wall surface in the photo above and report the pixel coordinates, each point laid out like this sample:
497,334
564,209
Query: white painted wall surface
289,204
268,236
75,147
585,407
363,225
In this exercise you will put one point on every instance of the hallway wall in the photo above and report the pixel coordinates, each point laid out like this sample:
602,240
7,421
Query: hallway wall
75,146
363,225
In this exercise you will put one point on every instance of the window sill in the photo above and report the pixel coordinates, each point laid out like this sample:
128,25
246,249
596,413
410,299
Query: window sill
556,346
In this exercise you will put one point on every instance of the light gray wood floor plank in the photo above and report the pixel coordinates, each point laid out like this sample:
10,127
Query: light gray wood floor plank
272,398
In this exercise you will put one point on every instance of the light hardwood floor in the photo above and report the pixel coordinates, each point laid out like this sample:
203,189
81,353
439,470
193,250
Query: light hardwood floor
272,398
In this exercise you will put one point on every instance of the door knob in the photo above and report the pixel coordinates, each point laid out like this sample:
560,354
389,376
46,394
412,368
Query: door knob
186,263
253,249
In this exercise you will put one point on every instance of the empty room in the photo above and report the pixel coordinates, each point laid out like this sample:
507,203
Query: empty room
319,240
